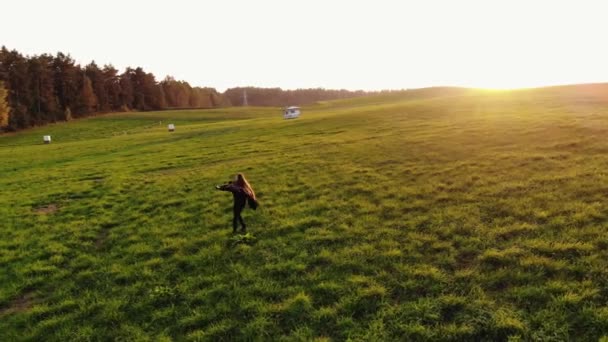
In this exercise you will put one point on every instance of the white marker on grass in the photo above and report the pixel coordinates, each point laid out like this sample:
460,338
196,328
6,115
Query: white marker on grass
47,139
171,127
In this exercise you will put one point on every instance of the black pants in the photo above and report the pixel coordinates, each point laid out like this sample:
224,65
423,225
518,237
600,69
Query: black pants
237,218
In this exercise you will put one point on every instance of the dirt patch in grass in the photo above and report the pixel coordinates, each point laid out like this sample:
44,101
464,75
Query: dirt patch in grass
20,304
47,209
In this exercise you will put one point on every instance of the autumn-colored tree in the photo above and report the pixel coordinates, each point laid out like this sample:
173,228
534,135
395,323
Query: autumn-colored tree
162,98
4,108
87,102
67,114
17,81
97,77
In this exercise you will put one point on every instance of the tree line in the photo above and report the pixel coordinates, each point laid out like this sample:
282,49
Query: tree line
279,97
40,89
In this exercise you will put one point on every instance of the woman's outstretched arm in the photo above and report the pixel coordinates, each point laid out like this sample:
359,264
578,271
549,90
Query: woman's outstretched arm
228,187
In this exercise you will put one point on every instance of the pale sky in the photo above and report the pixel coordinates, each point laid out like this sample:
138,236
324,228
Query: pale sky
377,44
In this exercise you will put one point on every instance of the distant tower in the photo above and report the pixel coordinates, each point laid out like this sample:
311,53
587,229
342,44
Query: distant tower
245,97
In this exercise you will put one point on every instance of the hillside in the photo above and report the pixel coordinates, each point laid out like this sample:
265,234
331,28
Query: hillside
437,214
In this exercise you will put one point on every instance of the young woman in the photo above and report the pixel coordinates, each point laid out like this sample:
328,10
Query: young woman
242,192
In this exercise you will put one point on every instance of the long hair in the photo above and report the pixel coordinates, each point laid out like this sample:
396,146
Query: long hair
243,183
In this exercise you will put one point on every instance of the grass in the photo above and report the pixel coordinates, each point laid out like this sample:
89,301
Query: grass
462,215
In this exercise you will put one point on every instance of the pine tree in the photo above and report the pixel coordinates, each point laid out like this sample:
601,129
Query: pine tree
126,90
44,106
67,75
44,88
112,87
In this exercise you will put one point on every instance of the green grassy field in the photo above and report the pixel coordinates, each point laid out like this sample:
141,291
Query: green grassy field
429,215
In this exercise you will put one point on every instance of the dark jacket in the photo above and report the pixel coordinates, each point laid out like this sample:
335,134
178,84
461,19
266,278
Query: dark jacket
241,198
